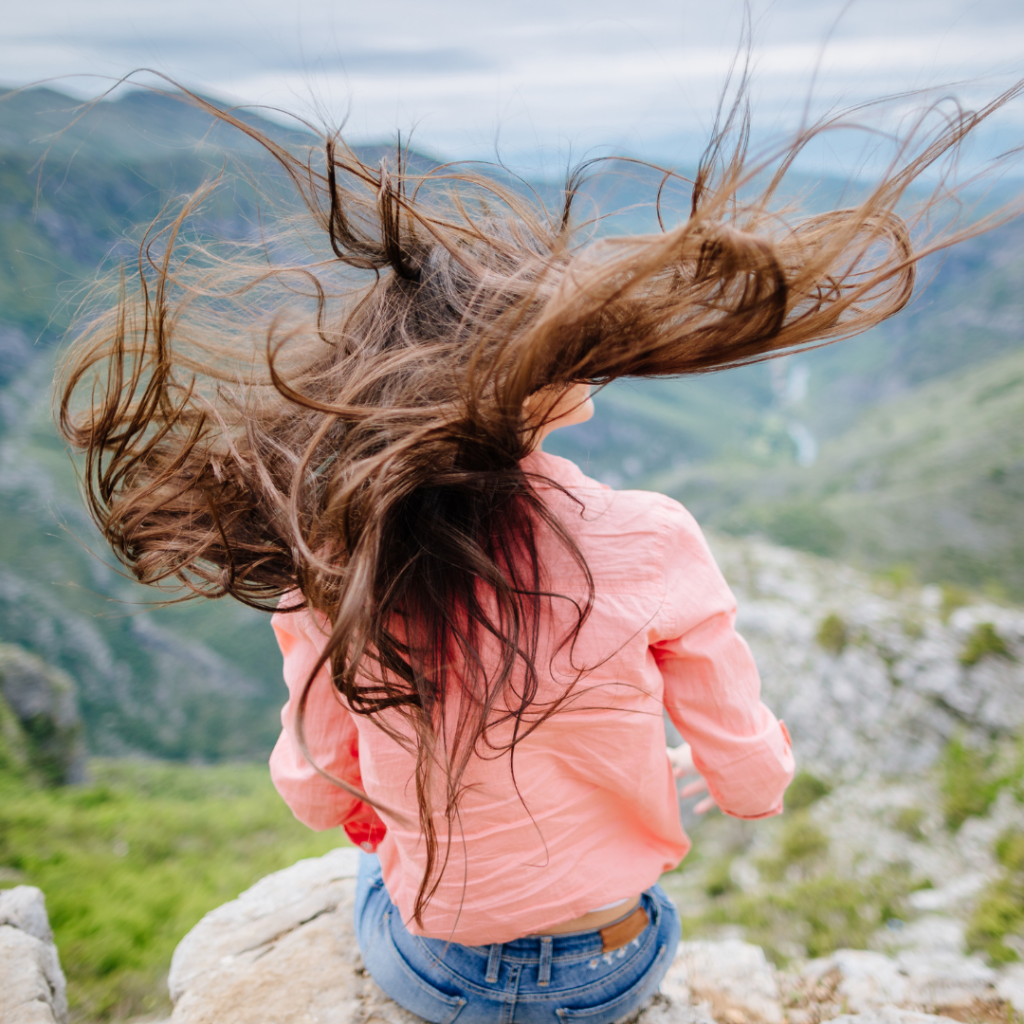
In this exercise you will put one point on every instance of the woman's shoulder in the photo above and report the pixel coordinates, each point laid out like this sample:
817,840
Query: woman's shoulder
624,524
552,472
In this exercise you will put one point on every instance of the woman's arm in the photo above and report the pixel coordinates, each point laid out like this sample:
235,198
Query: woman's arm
331,736
712,688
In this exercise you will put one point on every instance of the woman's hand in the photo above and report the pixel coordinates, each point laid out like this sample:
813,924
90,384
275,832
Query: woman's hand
681,759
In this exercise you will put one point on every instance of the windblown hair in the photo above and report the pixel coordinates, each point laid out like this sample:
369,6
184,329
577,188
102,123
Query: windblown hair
350,424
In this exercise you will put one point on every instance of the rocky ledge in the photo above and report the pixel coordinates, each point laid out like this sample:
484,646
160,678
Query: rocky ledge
32,989
284,952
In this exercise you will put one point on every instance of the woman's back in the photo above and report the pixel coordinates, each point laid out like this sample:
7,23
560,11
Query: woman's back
586,813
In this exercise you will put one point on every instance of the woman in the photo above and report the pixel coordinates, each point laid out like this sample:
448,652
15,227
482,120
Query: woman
478,641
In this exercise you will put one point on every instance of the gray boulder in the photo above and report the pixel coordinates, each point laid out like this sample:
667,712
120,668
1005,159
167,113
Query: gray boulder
285,951
32,986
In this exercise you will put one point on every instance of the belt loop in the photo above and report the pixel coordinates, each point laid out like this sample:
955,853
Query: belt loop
493,962
544,971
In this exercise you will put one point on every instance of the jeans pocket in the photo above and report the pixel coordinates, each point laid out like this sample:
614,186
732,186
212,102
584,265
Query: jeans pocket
625,1002
400,981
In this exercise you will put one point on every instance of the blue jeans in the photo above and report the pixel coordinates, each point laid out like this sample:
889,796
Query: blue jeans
545,980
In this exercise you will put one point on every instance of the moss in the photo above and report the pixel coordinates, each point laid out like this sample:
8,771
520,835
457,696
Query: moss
984,642
804,790
969,783
833,634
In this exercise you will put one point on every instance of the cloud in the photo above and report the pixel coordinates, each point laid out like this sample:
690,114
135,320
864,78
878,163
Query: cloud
538,75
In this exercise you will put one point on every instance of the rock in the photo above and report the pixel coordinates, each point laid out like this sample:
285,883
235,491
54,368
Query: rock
894,691
932,934
32,986
285,952
932,982
24,908
734,978
664,1009
311,975
849,979
867,980
1010,986
272,908
890,1015
43,699
949,984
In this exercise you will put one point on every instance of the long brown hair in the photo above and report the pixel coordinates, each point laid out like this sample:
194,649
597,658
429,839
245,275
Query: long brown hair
338,409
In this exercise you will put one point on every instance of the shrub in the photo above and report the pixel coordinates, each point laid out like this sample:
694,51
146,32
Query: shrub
14,749
820,914
953,597
718,878
900,576
969,784
801,844
909,821
1000,909
804,525
832,634
984,642
804,790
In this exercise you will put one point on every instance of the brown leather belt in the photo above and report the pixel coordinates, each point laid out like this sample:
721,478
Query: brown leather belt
618,934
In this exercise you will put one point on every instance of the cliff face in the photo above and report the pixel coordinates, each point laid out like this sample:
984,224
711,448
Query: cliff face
904,704
285,951
870,677
893,885
40,727
903,832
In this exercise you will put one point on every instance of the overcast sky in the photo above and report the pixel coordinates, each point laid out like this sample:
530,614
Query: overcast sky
535,75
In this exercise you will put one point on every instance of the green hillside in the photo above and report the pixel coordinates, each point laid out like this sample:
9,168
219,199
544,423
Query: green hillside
932,480
131,861
190,682
202,682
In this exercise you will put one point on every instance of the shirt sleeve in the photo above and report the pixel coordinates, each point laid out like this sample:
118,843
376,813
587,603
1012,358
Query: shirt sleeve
712,688
331,736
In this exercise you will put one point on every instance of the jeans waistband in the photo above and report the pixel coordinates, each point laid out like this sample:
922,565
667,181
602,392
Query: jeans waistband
531,948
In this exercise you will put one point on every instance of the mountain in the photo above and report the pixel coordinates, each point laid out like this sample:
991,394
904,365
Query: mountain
187,682
896,449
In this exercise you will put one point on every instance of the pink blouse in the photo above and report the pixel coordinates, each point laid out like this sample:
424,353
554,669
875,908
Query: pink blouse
591,816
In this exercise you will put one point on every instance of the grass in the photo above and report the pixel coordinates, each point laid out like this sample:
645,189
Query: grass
820,914
130,862
984,642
